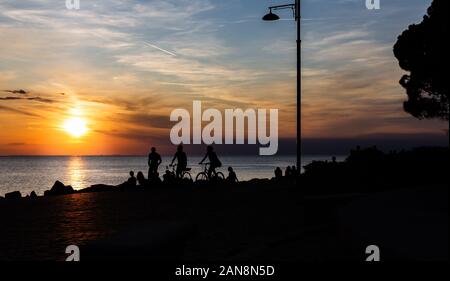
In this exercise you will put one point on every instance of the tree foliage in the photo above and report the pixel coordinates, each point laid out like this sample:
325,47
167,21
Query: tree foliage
422,50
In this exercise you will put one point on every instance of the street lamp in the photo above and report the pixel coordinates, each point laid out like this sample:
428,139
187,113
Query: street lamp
271,17
296,13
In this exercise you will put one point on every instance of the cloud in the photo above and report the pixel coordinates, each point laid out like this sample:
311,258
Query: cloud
10,98
18,111
38,99
141,136
187,69
149,120
22,92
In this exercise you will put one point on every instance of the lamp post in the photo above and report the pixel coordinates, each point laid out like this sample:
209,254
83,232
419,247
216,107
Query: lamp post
296,13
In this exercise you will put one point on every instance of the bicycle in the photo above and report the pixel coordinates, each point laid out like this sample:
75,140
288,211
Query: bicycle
185,174
204,176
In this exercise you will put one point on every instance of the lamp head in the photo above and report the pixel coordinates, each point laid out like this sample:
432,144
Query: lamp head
271,17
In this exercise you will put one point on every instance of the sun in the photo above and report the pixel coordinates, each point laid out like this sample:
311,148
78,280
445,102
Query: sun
75,126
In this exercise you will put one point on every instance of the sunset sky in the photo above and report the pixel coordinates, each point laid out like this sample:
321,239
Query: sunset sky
117,68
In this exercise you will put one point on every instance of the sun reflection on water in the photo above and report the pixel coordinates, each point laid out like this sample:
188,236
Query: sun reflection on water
76,173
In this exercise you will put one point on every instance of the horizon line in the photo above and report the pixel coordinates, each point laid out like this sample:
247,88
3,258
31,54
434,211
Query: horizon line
144,155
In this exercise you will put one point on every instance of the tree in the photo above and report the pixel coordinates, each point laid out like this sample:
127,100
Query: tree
422,50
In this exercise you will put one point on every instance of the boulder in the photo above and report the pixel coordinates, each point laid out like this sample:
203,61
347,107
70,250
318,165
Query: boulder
99,188
59,189
13,195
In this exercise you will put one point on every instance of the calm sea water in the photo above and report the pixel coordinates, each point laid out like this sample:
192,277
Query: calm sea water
26,174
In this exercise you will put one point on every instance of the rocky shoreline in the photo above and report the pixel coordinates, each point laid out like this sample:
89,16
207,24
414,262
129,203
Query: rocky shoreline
365,170
60,188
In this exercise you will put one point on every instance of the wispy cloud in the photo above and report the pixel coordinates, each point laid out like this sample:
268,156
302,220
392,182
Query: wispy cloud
39,99
22,92
18,111
10,98
135,61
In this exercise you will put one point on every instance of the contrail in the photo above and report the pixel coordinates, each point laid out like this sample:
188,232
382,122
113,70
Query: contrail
160,49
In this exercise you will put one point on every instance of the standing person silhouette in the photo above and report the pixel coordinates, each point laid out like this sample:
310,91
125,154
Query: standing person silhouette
154,160
288,172
181,157
278,174
214,161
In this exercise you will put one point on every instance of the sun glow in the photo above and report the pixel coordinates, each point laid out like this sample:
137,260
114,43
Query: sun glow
75,126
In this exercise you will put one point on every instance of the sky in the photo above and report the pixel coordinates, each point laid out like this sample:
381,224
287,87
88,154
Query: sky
122,66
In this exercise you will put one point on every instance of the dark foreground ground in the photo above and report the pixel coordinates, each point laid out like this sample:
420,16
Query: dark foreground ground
251,223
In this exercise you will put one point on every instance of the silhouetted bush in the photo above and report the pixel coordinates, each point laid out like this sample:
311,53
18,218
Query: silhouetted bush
372,170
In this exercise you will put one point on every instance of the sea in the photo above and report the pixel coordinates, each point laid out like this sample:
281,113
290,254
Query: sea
38,173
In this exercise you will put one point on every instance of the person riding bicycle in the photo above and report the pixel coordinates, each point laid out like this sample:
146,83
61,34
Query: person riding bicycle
214,161
181,157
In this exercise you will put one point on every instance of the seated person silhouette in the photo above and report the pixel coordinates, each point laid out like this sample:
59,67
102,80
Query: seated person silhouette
232,178
131,182
154,160
181,158
214,161
278,174
141,179
167,177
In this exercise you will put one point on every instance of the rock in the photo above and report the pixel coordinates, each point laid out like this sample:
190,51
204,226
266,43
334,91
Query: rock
13,195
33,194
59,189
99,188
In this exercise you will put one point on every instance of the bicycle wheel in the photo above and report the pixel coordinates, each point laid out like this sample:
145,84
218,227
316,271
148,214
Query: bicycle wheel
201,177
186,175
220,176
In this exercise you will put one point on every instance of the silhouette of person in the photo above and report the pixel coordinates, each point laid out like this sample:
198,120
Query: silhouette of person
214,161
132,180
278,174
288,172
181,157
141,179
167,177
154,160
294,171
232,178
